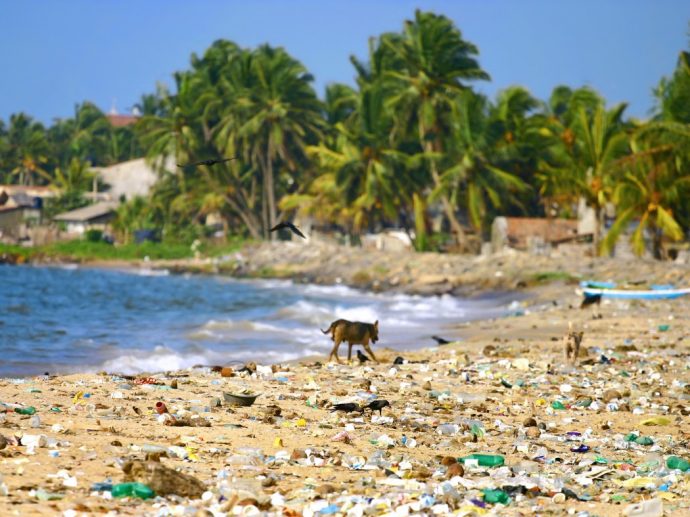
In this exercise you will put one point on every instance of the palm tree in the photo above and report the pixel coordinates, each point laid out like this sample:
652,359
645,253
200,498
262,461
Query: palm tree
673,95
653,184
368,170
27,150
472,179
273,114
603,140
436,62
77,177
585,141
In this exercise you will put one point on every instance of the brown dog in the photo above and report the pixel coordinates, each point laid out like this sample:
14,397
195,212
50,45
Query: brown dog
355,333
571,343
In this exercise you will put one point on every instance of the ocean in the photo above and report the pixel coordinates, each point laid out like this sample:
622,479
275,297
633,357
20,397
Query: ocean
68,319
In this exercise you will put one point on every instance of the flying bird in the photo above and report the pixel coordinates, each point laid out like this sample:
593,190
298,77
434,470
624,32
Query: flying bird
208,162
362,357
378,405
347,407
440,340
591,299
290,227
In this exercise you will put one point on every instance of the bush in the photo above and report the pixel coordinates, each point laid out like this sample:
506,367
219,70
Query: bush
93,235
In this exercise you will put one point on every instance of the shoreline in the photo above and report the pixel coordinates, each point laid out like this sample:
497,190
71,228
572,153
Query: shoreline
408,272
432,315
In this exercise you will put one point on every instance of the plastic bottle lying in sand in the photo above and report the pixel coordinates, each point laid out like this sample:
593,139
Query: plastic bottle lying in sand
485,460
138,490
448,429
674,462
30,410
496,496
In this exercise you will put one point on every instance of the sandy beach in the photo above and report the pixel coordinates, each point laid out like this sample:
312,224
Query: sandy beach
502,389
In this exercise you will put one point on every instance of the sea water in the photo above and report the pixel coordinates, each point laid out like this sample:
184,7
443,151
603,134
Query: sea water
73,319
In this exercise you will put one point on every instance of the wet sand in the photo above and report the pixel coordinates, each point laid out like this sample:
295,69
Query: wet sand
500,374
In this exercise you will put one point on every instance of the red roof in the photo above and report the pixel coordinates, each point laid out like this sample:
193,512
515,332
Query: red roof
122,120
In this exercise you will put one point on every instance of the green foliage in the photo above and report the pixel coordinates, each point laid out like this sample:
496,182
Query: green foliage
70,200
93,235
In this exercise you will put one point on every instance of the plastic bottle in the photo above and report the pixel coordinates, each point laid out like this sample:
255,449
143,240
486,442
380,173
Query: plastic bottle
485,460
495,496
132,490
557,404
35,421
448,429
674,462
29,410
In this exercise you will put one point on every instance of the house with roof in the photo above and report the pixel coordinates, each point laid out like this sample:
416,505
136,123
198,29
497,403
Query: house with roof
21,209
93,217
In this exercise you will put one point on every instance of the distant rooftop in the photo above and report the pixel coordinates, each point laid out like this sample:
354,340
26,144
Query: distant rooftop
87,213
122,120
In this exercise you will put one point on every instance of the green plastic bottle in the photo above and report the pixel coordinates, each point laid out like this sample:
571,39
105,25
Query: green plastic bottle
557,404
495,496
485,460
139,490
674,462
30,410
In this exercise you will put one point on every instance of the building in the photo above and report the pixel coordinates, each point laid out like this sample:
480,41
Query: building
118,120
129,179
92,217
529,233
20,210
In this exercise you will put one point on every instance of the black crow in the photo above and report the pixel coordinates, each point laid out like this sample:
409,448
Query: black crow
208,162
290,227
362,357
591,299
440,340
346,407
378,405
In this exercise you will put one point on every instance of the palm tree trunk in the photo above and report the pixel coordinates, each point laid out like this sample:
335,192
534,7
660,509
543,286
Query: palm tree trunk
599,223
270,186
247,218
460,236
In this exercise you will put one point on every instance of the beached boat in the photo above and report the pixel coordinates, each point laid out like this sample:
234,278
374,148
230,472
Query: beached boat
608,290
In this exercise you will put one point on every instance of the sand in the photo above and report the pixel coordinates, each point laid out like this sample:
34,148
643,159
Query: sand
104,420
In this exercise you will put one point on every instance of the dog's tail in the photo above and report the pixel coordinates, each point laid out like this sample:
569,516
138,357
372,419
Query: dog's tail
329,328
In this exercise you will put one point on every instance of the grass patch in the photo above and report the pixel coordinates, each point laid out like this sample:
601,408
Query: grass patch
272,272
85,250
361,277
545,277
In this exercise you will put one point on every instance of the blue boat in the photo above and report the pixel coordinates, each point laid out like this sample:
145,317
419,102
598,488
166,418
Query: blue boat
657,292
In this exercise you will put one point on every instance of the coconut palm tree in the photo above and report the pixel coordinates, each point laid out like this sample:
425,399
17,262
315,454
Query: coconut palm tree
368,169
471,178
437,62
273,114
26,151
653,183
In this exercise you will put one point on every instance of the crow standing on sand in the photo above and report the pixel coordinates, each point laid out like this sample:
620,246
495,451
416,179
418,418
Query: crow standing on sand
347,407
378,405
208,162
591,299
440,340
362,357
290,227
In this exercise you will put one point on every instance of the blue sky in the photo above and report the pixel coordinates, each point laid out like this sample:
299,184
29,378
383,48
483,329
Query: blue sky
56,54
